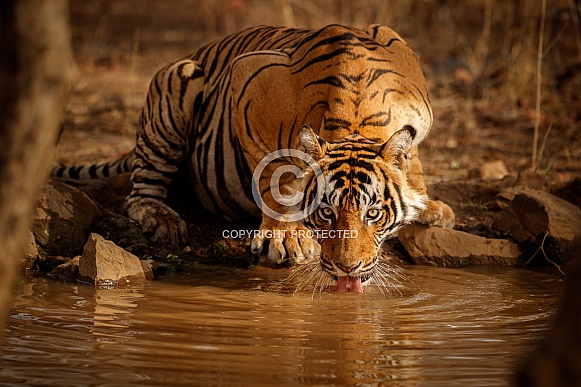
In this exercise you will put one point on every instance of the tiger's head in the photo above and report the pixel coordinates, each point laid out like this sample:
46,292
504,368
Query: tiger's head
366,198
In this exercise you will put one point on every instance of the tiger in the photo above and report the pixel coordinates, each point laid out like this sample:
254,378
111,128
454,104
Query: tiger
353,105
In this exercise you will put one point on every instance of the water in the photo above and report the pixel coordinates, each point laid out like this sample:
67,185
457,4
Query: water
219,327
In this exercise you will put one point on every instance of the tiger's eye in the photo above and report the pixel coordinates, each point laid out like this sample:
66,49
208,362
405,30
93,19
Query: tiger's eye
326,212
372,213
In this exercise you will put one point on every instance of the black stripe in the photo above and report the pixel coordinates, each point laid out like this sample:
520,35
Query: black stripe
291,138
148,166
151,146
399,206
353,163
423,99
347,36
60,171
322,58
173,124
338,175
254,75
169,79
247,122
387,91
121,168
330,80
380,72
207,113
219,48
93,171
150,182
332,124
370,121
362,177
243,170
279,141
393,40
74,172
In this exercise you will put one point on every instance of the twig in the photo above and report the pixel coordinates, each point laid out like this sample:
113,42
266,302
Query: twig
534,161
542,250
544,144
576,26
556,39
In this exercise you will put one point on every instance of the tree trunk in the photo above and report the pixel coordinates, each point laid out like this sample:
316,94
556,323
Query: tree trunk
36,68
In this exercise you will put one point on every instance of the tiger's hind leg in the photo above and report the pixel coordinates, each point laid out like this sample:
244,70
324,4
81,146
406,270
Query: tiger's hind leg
437,213
162,137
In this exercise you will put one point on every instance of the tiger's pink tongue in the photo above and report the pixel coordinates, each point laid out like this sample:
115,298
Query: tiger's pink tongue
349,284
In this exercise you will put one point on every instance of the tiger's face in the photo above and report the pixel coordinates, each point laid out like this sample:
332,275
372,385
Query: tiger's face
366,199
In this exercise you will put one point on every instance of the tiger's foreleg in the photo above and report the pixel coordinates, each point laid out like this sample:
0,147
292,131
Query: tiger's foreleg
287,241
161,142
437,213
282,235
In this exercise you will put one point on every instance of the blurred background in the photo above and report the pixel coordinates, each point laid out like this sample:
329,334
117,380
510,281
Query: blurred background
505,76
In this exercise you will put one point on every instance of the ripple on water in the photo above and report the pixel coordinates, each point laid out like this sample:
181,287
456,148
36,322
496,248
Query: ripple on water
443,327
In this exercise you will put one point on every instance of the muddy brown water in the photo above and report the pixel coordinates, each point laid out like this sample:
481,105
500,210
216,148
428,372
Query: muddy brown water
227,327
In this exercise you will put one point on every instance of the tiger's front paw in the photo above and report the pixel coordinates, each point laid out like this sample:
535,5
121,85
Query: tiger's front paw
438,214
286,241
158,219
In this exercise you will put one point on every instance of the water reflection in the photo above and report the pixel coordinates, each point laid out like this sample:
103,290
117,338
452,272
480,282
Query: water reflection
215,328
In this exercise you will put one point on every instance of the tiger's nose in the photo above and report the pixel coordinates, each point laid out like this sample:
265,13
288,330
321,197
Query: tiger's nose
348,268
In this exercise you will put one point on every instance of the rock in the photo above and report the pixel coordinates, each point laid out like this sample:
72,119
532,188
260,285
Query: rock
452,248
533,213
149,266
109,192
504,197
493,170
29,251
63,218
103,263
68,270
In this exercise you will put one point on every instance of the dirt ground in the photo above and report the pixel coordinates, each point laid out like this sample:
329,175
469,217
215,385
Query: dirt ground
480,58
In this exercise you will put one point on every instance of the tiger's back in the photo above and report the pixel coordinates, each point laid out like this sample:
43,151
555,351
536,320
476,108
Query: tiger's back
328,93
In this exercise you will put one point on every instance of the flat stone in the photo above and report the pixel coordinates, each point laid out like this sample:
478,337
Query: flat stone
452,248
103,263
63,219
531,214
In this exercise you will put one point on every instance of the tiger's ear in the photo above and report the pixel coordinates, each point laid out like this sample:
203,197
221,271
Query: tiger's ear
398,146
313,145
383,34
